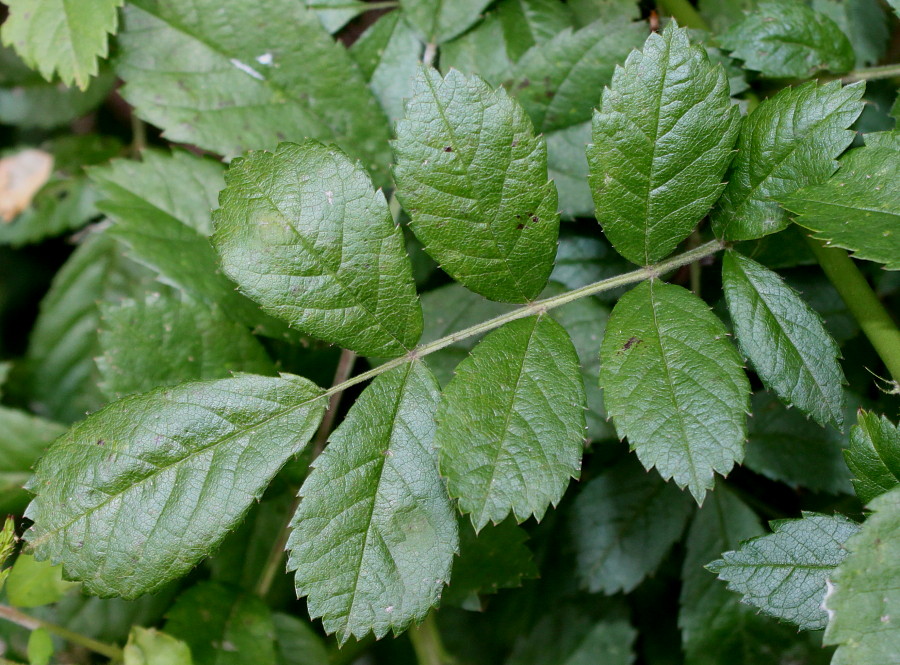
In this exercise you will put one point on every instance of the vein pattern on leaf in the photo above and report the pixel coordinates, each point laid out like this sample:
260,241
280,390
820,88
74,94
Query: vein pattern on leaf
874,456
789,141
473,177
662,140
303,233
374,537
229,77
785,340
440,21
511,422
784,573
139,492
674,385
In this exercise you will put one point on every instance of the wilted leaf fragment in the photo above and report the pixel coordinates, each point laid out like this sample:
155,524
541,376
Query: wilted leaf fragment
662,140
784,573
784,338
139,492
304,234
787,142
439,21
874,456
858,208
623,524
148,646
374,537
473,177
21,177
787,39
62,37
674,385
864,603
511,422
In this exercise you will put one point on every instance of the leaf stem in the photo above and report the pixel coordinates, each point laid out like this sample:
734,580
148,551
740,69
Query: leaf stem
872,73
430,54
862,302
683,12
33,623
426,642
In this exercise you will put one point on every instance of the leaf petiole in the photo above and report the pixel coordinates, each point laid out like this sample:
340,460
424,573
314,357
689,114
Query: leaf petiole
33,623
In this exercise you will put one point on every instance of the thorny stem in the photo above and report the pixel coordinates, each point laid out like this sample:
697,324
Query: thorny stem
872,73
683,12
862,302
33,623
273,562
426,642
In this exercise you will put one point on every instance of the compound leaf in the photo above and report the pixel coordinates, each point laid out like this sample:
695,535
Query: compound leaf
558,82
303,233
788,141
864,602
788,39
473,177
223,626
374,537
858,208
873,456
234,76
64,37
784,573
439,21
662,140
511,422
167,339
784,338
139,492
623,524
674,385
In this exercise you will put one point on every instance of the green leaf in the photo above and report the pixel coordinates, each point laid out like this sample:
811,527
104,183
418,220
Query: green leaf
297,643
788,141
40,647
784,573
623,523
572,636
674,386
33,583
223,626
588,11
874,456
496,558
785,340
864,602
721,15
64,37
148,646
344,11
62,377
23,439
784,446
473,177
388,54
374,537
651,184
439,21
863,21
715,626
558,82
166,339
568,168
787,39
858,208
303,233
139,492
529,22
7,547
511,422
234,76
483,50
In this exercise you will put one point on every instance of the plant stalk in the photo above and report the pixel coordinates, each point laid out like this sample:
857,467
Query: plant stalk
872,73
426,642
862,302
683,12
33,623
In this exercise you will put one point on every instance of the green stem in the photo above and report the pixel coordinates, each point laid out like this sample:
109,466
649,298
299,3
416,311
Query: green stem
862,302
683,12
426,642
33,623
872,73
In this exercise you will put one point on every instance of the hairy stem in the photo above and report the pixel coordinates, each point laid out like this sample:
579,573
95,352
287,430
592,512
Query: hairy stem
683,12
273,562
872,73
862,302
426,641
33,623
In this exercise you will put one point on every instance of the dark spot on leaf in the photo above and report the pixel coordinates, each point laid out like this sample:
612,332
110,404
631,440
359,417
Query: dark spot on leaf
534,218
101,442
524,84
632,341
515,143
449,148
519,227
